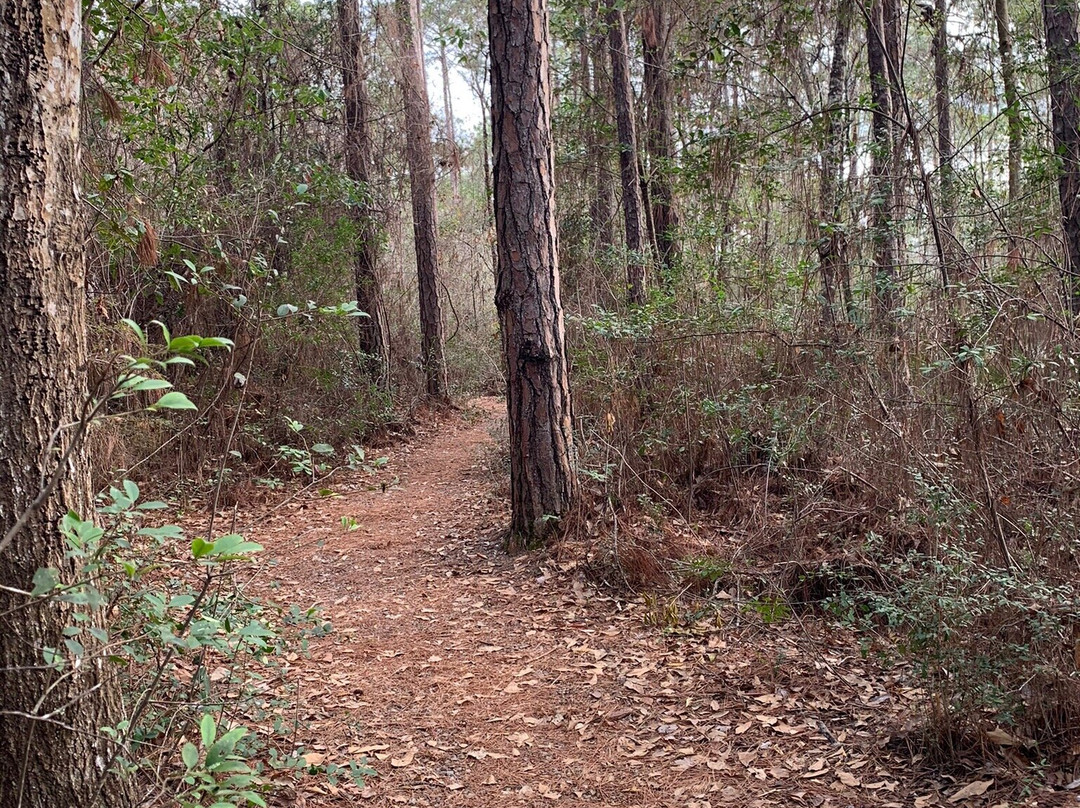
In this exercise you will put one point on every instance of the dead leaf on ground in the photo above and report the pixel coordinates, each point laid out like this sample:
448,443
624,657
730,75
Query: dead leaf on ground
975,789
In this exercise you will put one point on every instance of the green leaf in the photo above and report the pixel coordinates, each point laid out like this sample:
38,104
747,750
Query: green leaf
190,755
174,400
323,449
302,188
233,545
45,581
223,747
163,532
184,344
131,489
150,384
216,342
285,309
134,326
200,548
208,730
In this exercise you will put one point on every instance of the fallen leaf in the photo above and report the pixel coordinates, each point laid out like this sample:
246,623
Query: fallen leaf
404,760
848,779
971,790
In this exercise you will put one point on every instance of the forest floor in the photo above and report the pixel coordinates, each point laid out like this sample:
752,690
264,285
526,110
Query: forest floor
470,677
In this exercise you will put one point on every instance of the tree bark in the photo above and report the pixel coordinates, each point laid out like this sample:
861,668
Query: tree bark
633,209
882,190
57,761
1063,62
543,482
835,278
1012,106
374,341
418,155
655,37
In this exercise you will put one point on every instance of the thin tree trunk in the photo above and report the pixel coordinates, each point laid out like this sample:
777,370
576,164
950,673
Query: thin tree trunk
602,209
1012,109
943,105
374,341
418,154
832,243
633,211
655,37
882,191
1063,60
448,114
58,762
543,482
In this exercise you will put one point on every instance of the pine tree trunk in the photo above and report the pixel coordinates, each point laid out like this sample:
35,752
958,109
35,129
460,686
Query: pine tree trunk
543,483
882,192
633,209
59,761
832,243
1063,60
373,338
418,154
655,36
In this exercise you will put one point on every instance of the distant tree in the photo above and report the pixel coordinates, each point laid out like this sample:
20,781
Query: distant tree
52,750
883,146
1063,61
418,154
832,242
633,205
655,37
543,483
374,341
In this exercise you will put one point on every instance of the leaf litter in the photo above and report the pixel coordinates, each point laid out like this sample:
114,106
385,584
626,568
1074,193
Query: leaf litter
467,677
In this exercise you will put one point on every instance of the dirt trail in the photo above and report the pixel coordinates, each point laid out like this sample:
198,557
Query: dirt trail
471,678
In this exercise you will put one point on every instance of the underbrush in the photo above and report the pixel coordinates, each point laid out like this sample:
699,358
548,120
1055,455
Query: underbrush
921,490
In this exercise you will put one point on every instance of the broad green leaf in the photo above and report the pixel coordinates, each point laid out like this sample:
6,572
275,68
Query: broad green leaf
190,755
208,730
45,581
174,400
233,544
200,548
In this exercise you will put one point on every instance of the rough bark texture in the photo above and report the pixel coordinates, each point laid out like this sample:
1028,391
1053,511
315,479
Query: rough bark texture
655,37
373,339
57,762
543,483
835,278
1012,101
418,154
633,209
882,190
1063,61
